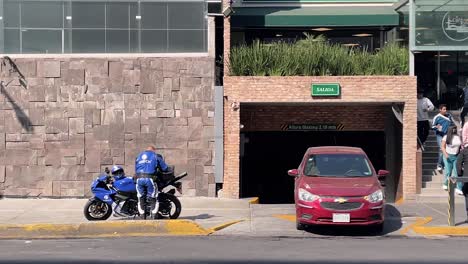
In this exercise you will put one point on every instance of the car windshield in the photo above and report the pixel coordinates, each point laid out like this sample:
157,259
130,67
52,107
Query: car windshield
338,165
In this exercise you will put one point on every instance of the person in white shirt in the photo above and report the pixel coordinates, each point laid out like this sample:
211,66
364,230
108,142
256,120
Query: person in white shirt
450,147
424,106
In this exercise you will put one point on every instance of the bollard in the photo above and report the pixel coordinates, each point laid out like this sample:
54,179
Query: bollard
451,203
451,200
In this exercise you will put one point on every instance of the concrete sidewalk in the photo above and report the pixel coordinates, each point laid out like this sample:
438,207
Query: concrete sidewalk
215,216
207,212
432,218
200,216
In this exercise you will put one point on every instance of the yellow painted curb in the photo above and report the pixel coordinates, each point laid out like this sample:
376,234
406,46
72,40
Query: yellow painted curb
254,200
419,222
439,230
224,225
104,229
400,201
291,218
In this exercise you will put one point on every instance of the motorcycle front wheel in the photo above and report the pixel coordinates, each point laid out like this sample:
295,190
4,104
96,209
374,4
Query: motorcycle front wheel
96,210
169,206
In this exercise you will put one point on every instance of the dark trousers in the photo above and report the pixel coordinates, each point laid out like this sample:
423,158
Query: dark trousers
463,114
461,163
423,130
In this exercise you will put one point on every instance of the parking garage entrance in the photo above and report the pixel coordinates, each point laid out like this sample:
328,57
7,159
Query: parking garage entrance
274,138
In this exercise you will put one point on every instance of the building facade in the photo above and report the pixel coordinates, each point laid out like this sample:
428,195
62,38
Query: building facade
262,114
98,81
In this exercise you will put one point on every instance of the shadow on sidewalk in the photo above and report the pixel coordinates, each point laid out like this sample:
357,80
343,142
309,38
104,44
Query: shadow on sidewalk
392,224
200,216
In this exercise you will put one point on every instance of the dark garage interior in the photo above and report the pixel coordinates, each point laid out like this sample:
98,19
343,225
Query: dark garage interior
267,156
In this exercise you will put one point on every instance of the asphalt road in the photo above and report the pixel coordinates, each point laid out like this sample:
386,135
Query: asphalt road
231,249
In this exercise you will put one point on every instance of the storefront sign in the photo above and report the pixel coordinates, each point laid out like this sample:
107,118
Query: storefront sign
326,89
312,127
455,25
438,29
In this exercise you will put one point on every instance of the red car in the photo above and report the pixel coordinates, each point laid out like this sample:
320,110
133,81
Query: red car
338,186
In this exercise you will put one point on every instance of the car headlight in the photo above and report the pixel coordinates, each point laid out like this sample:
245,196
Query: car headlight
375,197
307,196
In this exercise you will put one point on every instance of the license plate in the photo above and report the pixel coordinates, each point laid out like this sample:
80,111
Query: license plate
341,218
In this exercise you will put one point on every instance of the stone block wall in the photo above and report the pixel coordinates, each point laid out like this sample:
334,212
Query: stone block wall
79,115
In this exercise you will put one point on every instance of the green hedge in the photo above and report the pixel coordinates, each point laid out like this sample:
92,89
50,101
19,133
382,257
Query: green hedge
313,56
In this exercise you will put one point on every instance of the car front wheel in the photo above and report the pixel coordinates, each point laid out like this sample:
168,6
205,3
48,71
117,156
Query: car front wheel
300,226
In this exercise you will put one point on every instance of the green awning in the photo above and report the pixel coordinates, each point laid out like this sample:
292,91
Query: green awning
343,16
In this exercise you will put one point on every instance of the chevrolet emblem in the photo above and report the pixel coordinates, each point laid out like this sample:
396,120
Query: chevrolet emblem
340,200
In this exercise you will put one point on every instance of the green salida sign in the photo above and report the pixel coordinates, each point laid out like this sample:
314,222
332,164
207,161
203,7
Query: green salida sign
326,89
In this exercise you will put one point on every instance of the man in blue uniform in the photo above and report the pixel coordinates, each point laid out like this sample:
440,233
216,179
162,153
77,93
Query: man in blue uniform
146,165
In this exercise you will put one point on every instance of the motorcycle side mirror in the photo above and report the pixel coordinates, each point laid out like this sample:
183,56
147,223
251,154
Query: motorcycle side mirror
106,170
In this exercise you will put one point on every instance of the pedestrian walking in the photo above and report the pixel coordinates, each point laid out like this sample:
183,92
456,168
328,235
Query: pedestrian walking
465,103
450,147
441,122
424,106
462,160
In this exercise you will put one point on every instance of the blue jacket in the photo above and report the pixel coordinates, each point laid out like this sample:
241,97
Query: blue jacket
444,121
148,162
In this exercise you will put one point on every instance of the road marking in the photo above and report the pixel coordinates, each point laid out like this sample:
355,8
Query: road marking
224,225
419,221
254,200
287,217
400,201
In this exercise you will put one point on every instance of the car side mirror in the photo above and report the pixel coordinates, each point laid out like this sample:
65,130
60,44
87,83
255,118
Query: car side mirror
293,173
382,174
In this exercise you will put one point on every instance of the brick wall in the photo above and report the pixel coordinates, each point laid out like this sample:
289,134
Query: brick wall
78,116
351,117
288,90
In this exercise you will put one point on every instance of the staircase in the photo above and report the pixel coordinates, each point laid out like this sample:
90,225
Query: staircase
432,179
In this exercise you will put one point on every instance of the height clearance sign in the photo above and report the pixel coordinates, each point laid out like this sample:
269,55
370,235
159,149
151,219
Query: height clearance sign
326,89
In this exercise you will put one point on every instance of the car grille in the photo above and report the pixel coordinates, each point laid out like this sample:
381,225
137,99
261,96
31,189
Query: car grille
341,206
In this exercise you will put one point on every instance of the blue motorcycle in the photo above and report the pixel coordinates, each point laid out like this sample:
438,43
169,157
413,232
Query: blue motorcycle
122,190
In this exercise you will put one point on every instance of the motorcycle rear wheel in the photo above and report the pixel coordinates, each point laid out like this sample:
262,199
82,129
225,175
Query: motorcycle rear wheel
96,210
169,206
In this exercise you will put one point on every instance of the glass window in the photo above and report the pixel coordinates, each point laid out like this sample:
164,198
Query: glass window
186,15
118,15
11,40
338,165
11,13
134,41
439,25
134,23
42,14
67,41
88,41
99,26
153,15
186,41
153,41
88,15
214,7
42,41
117,41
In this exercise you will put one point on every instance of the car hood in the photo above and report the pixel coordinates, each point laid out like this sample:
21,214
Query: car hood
336,186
